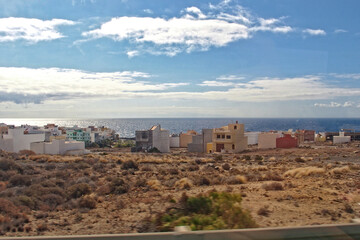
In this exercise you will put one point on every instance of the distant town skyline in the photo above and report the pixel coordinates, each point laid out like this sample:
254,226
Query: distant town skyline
134,59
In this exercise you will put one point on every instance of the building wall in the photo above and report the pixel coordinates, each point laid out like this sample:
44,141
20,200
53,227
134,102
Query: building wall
174,141
197,144
287,141
161,139
22,141
309,135
252,137
186,138
341,139
58,147
267,140
7,145
143,139
207,135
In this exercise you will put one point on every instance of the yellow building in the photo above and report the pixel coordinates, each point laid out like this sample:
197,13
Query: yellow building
229,139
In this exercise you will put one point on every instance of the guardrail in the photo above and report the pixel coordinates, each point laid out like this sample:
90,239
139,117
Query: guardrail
332,232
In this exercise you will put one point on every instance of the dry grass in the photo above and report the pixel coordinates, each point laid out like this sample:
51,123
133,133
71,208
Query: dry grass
305,171
339,170
184,183
154,184
238,179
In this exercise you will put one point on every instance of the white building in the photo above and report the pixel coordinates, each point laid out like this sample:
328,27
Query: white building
252,137
341,138
174,141
59,147
19,139
156,137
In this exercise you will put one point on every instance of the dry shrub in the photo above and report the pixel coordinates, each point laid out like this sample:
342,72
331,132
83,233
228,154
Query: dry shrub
2,186
130,164
147,168
193,168
275,186
27,152
154,184
87,202
339,170
104,190
261,168
20,180
305,171
203,181
184,183
39,158
238,179
264,211
78,190
173,171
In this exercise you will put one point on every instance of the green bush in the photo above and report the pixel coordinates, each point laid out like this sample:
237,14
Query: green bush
215,211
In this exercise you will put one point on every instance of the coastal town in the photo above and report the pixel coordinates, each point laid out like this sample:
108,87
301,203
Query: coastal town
52,139
70,180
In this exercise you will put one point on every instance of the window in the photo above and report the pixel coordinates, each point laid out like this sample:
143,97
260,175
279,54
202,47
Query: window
223,136
228,137
235,127
233,146
218,136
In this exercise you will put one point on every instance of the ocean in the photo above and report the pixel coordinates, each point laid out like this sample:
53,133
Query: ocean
126,127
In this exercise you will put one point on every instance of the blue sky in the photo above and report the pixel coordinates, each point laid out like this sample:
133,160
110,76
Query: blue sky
104,58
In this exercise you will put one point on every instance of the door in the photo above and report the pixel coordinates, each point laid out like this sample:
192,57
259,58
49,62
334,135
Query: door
219,147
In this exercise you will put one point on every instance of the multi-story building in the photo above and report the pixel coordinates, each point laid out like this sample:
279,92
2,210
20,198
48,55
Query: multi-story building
230,138
155,137
78,135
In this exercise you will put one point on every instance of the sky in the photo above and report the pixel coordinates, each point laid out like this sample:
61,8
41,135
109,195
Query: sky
160,58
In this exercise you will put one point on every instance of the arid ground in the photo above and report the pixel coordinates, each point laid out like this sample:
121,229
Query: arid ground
115,191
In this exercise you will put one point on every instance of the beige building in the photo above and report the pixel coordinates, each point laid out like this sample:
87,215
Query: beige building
229,139
267,140
186,138
59,147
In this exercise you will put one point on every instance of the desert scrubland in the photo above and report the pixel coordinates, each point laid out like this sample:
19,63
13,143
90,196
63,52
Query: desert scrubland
115,191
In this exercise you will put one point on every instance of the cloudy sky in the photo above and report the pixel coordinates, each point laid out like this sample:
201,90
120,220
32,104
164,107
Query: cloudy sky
160,58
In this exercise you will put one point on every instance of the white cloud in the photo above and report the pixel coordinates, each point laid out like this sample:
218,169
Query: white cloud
265,90
314,31
148,11
334,104
194,31
340,31
355,76
196,11
216,84
21,85
36,85
132,53
230,78
30,29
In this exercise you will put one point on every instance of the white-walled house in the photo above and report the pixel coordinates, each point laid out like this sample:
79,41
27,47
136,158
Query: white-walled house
61,147
19,139
156,137
253,137
341,138
174,141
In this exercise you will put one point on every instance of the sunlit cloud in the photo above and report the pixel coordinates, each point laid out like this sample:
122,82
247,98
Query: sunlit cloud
314,32
194,30
31,29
